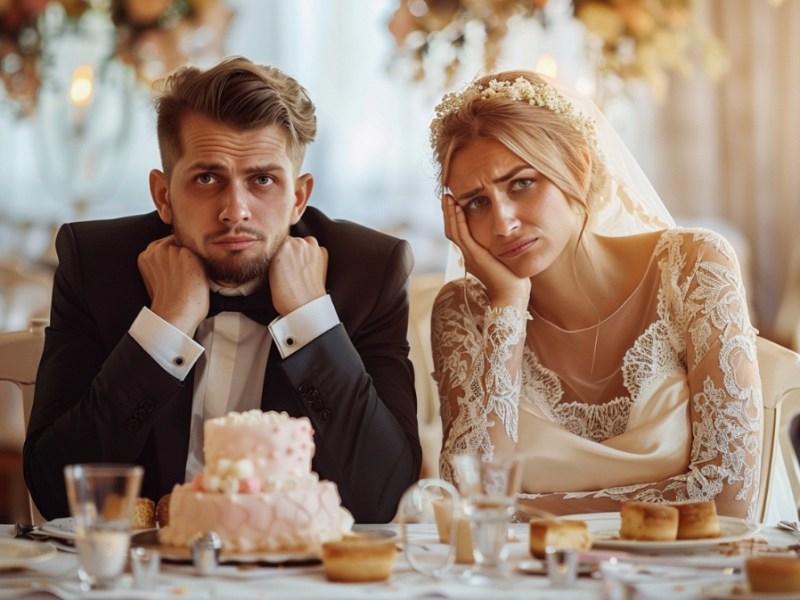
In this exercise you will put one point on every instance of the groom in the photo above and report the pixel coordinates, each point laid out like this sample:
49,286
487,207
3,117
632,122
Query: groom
233,295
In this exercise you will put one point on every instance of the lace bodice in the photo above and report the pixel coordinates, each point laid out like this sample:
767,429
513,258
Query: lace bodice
686,325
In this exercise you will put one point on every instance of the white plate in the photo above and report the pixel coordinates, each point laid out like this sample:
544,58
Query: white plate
741,591
149,539
15,553
604,528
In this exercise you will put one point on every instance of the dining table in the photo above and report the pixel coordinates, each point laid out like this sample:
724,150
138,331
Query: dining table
614,570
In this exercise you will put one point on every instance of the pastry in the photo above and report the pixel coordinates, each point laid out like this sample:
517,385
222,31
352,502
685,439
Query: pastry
144,514
697,519
773,574
563,534
648,521
162,510
358,559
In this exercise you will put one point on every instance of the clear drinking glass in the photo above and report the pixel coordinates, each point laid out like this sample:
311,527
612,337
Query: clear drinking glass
488,490
101,499
425,500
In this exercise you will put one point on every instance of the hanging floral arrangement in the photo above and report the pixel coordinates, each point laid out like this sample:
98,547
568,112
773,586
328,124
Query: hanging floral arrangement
153,36
629,39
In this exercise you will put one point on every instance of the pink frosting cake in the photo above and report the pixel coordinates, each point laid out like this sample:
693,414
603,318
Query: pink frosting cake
257,490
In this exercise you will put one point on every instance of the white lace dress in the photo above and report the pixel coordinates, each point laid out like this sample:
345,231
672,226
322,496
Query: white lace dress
660,401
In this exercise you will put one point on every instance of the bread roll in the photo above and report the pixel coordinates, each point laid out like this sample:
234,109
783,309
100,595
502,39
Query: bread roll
563,534
162,511
773,574
648,521
144,514
697,519
355,559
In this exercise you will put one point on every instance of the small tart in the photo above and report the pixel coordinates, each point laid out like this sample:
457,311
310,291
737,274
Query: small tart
697,519
773,574
359,558
563,534
648,521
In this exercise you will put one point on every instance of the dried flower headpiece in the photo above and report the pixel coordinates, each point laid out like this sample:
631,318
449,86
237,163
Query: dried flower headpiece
520,90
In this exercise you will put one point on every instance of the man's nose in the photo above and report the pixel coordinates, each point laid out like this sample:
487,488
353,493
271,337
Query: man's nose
235,207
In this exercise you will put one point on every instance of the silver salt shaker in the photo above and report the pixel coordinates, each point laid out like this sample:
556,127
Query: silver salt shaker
562,566
145,564
205,552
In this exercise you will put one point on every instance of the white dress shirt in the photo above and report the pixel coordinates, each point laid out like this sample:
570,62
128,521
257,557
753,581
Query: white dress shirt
231,352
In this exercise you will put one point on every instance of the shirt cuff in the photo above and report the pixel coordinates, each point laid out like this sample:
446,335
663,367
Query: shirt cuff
301,326
166,344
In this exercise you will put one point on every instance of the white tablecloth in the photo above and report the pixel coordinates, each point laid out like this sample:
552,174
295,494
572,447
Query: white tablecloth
58,576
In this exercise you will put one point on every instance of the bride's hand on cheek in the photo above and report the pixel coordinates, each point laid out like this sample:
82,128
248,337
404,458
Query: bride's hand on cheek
502,285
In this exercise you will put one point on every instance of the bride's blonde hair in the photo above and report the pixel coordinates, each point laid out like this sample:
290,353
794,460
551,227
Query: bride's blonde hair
529,118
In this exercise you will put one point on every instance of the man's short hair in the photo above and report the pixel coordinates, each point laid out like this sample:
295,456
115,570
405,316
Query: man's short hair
239,94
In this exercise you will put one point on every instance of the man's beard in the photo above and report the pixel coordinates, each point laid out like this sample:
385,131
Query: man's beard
235,268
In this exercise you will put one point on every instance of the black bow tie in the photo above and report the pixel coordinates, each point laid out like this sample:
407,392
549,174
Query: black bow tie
257,306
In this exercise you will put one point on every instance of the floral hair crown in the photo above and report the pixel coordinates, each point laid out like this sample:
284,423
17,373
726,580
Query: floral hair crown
519,90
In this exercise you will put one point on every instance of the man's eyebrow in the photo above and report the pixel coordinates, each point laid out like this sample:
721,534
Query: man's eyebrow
501,179
215,166
268,168
206,166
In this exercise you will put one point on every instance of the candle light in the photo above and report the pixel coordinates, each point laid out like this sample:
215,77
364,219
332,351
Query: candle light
547,65
81,91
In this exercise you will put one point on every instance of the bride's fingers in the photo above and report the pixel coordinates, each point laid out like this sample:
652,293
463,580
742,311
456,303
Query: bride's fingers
449,207
447,214
463,236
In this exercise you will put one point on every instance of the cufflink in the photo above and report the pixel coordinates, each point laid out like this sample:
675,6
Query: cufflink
178,361
290,341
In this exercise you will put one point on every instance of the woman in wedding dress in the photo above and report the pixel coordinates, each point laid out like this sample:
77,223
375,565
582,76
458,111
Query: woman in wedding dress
586,331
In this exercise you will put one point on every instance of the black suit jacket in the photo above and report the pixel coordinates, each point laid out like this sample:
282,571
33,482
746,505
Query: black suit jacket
101,398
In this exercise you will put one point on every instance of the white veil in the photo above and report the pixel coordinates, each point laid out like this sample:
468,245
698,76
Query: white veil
627,203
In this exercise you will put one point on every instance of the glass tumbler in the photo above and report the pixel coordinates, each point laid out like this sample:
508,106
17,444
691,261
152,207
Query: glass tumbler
101,500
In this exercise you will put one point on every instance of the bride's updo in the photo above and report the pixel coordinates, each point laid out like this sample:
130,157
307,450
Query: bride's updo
526,114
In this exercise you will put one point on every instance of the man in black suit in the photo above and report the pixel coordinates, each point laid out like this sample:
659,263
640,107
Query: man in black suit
148,336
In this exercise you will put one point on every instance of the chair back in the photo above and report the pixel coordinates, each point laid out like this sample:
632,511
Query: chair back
20,352
422,293
780,386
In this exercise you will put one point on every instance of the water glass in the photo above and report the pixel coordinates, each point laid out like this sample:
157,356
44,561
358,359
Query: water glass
488,490
424,500
101,500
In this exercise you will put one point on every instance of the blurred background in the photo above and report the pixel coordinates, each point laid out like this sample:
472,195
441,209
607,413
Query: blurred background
705,92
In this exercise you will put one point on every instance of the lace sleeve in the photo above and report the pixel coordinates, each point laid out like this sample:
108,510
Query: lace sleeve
477,354
705,309
724,381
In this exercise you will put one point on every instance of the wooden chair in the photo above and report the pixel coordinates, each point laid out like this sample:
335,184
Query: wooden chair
786,327
780,381
20,352
422,293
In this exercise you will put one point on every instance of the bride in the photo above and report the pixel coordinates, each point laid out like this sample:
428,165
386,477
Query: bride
611,348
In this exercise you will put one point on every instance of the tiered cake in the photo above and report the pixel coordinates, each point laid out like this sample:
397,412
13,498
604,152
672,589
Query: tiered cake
257,490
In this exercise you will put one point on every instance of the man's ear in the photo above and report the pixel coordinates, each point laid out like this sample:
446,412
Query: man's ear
302,193
159,191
